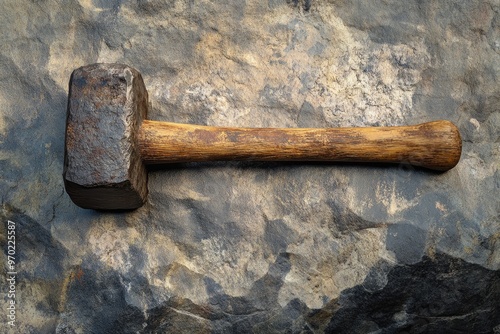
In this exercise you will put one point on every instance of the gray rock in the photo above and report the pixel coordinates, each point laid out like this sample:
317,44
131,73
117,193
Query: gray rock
259,247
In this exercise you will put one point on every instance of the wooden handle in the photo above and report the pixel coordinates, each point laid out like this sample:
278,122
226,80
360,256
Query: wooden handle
434,145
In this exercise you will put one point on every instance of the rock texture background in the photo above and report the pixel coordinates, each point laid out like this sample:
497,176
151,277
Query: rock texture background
259,247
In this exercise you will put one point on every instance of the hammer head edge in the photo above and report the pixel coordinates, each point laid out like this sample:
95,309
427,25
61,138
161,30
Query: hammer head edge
103,168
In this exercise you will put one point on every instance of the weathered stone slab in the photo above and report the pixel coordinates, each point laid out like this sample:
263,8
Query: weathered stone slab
259,247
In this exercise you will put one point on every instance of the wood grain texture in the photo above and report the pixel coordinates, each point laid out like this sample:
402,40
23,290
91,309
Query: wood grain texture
435,145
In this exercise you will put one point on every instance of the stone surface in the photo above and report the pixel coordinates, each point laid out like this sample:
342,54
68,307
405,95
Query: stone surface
258,247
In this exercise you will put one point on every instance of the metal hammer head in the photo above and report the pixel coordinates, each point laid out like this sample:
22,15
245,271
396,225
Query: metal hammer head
102,165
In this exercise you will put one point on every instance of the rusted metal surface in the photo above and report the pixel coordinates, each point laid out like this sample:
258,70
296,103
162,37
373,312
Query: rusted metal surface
103,168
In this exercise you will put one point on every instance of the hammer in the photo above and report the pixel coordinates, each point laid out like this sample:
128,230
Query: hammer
109,142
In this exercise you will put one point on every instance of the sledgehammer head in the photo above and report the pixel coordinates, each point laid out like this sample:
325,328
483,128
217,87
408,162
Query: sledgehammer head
102,165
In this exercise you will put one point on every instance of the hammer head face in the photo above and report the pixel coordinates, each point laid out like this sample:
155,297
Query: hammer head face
103,168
